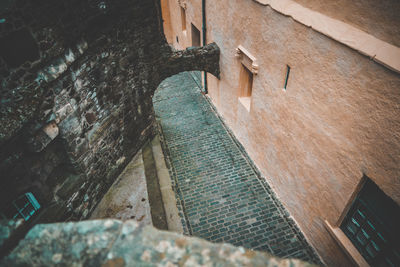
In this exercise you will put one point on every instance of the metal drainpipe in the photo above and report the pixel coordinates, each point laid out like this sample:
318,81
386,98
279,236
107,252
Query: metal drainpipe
203,10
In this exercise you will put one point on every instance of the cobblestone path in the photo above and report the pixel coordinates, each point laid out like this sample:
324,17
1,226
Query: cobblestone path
220,195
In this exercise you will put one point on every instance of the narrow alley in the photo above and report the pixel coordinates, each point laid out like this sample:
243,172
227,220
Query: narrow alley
220,196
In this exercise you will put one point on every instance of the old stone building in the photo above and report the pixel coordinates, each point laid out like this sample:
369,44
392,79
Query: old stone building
287,143
95,105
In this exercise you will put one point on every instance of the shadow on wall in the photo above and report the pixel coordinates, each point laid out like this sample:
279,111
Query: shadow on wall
76,96
18,47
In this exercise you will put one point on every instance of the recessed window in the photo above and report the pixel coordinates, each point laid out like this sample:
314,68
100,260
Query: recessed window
245,86
183,18
18,47
195,36
373,226
287,76
177,39
246,82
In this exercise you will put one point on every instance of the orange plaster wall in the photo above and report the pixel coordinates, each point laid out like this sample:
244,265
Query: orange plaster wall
167,20
379,18
338,119
193,15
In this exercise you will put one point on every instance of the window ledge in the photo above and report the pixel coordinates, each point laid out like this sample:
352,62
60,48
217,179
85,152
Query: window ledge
245,101
247,59
346,245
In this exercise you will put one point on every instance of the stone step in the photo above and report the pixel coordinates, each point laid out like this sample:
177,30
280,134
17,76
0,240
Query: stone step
153,188
143,192
167,192
127,198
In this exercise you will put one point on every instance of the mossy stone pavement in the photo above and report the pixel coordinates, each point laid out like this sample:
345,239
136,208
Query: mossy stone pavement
220,195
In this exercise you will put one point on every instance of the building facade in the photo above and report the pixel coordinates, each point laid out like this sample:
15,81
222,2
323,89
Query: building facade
311,90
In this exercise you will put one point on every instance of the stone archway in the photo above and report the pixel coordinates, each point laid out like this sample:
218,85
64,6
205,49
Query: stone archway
93,83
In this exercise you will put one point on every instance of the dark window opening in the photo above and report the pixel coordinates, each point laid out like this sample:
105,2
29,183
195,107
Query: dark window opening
195,36
372,225
5,4
245,82
177,39
18,47
287,76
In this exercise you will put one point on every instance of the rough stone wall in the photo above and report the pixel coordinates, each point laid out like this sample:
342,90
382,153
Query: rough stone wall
117,243
78,106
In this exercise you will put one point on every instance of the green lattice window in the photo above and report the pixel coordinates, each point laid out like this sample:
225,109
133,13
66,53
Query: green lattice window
372,224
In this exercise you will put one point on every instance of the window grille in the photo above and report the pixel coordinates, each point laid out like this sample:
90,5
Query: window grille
26,206
372,225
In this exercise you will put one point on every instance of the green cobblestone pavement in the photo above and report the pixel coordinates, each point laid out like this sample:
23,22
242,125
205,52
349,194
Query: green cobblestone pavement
220,196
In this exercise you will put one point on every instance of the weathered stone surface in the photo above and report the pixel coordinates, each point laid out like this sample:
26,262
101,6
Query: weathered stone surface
66,244
194,58
113,243
128,197
43,137
7,227
99,65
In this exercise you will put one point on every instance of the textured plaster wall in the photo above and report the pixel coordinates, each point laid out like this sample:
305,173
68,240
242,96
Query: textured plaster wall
172,18
337,120
379,18
165,14
72,118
